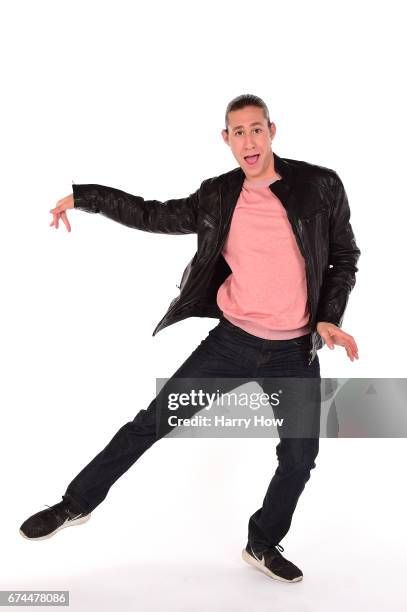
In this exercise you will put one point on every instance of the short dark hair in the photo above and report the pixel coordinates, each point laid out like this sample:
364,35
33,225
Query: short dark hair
247,100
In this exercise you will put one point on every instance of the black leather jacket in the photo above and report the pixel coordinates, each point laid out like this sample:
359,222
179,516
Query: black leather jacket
317,208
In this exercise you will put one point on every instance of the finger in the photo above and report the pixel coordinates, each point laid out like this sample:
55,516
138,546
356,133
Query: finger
343,339
57,209
353,351
329,341
349,351
65,220
347,341
352,346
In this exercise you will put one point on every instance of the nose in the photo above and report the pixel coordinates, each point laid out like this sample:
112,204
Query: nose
249,143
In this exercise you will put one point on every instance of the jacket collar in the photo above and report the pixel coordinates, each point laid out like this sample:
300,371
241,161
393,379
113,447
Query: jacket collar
280,188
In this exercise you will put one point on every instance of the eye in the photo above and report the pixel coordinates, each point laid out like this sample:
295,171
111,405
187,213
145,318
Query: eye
240,131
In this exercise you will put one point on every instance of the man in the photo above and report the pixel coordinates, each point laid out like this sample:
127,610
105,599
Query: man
276,262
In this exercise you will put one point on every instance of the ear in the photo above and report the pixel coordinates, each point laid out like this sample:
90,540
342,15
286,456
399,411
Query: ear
272,130
225,136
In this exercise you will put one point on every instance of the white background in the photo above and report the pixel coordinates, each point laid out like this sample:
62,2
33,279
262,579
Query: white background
133,96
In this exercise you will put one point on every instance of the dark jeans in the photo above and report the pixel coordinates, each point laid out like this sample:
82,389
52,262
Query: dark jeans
227,352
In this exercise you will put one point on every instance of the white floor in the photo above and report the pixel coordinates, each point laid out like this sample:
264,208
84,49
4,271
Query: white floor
177,545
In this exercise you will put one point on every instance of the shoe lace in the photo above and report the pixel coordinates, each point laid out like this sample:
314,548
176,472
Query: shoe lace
61,511
55,506
271,548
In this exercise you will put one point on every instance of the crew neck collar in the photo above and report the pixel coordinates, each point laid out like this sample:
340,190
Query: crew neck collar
264,182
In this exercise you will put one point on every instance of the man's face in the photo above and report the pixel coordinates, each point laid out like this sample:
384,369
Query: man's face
249,137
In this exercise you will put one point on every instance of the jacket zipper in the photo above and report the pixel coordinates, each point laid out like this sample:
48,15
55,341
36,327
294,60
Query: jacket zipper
293,222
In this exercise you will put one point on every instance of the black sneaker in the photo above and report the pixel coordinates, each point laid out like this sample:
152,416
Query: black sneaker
46,523
271,562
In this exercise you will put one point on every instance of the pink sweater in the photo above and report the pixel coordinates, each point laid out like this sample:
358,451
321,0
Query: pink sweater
266,294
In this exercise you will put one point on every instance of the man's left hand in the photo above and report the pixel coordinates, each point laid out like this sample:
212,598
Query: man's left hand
335,335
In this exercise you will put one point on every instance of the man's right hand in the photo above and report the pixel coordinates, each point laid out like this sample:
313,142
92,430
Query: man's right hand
60,211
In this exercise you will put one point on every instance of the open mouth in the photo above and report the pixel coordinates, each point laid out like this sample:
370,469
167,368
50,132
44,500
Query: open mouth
252,159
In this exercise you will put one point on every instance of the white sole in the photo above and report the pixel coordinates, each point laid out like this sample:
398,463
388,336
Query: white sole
251,561
78,521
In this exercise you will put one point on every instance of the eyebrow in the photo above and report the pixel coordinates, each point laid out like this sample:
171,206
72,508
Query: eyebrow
240,126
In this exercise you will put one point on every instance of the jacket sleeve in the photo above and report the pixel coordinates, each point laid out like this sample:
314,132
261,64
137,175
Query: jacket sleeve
340,277
175,216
